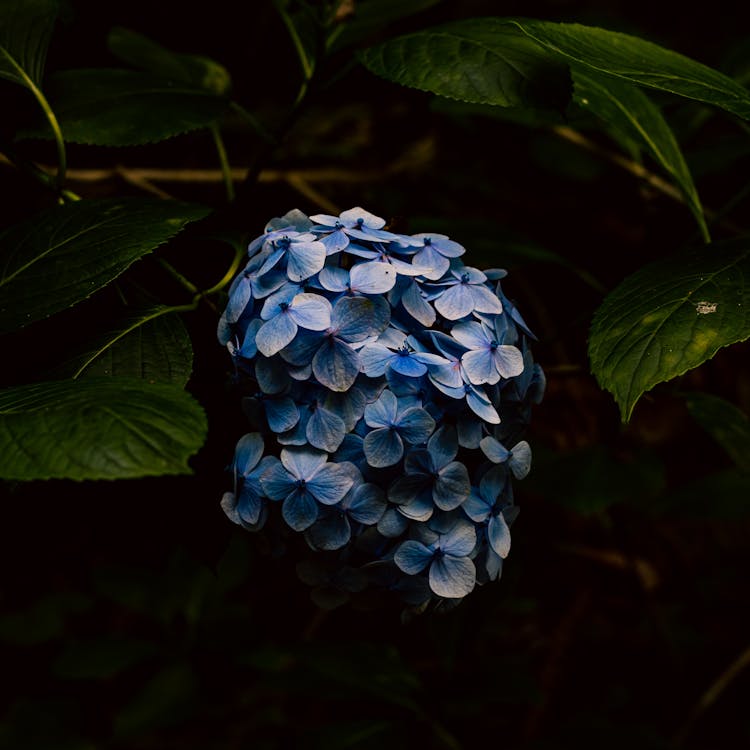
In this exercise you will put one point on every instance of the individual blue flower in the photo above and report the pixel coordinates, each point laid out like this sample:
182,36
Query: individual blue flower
356,223
488,359
436,252
384,445
401,353
465,293
253,283
303,255
445,553
364,278
302,479
518,458
432,478
284,312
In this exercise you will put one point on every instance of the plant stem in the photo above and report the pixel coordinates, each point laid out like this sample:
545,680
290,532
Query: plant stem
253,121
226,170
177,276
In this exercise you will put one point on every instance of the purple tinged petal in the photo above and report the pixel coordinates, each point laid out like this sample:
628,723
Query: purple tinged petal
305,259
311,311
455,302
498,535
452,577
383,447
373,277
413,557
300,510
508,361
325,430
275,334
479,366
330,483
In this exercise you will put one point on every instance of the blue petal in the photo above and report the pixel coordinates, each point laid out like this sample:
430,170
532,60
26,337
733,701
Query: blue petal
325,430
335,241
331,483
357,318
275,334
336,365
432,260
413,557
484,301
455,302
248,452
282,413
350,406
382,413
277,483
375,359
305,259
408,365
272,305
417,306
476,507
498,535
520,459
351,218
415,425
460,539
249,346
373,277
301,351
303,463
249,505
311,311
508,361
334,279
393,524
238,300
452,487
408,487
481,406
452,577
469,431
479,366
300,510
330,532
418,509
471,335
367,505
443,446
383,447
266,284
494,450
271,375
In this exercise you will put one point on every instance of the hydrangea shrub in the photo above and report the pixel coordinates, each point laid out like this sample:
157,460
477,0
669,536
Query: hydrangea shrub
389,386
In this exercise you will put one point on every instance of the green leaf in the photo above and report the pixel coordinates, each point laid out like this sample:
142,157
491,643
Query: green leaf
626,108
195,70
64,255
25,30
727,425
97,428
484,61
669,317
723,494
153,345
638,61
112,107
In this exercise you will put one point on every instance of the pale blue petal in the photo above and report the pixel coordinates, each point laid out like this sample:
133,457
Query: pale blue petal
472,335
334,279
272,305
325,430
383,447
419,509
452,577
417,306
375,359
452,392
331,483
302,463
352,216
508,361
484,301
311,311
455,302
413,557
373,277
479,367
494,450
415,425
447,247
300,510
336,365
241,295
282,413
275,334
276,481
305,259
335,242
460,539
482,407
449,375
432,260
520,459
358,318
452,487
248,453
475,506
249,346
382,413
325,219
498,535
473,275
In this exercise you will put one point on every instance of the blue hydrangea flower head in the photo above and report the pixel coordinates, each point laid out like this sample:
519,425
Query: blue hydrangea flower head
388,386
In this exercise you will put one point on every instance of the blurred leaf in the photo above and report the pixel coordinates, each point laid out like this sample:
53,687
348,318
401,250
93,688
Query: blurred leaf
591,480
630,111
637,61
669,317
113,107
726,424
194,70
97,428
153,345
719,157
25,30
43,620
484,61
721,495
56,259
164,700
358,734
101,658
530,118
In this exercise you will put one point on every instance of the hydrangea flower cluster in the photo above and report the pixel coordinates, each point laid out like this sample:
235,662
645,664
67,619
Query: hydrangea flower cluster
389,386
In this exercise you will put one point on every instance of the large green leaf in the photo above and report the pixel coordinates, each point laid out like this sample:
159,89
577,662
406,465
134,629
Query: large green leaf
97,428
627,109
195,70
25,30
484,61
726,424
638,61
669,317
153,345
64,255
112,107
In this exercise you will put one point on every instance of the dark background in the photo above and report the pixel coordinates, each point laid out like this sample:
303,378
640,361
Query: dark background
134,615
